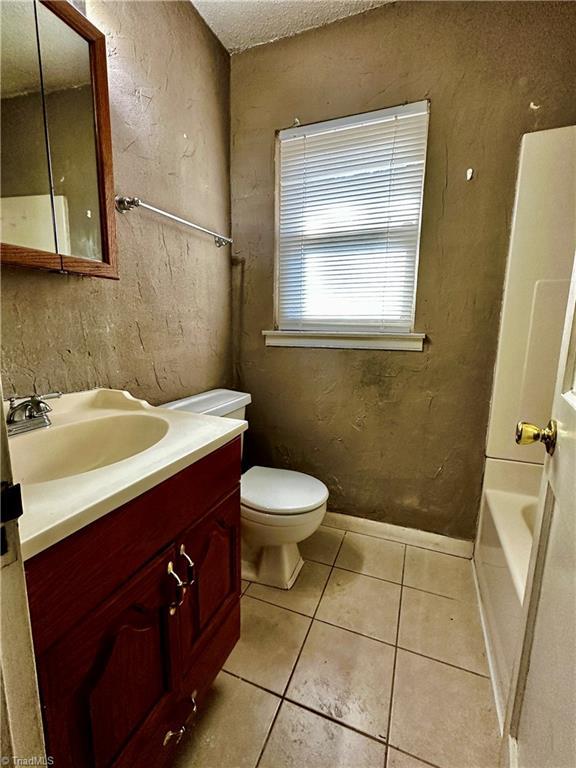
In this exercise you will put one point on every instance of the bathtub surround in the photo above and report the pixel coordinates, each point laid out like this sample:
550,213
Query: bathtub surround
397,436
536,286
540,260
163,329
501,560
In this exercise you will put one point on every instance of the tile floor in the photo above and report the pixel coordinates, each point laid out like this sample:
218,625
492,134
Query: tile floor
374,659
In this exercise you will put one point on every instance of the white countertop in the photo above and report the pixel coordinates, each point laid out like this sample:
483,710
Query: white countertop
56,508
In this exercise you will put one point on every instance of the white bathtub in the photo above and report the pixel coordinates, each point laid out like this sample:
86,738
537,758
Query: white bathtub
501,558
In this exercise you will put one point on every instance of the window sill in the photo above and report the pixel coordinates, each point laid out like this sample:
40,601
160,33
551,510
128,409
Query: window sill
408,342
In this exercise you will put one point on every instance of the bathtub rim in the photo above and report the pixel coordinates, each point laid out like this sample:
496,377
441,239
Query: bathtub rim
506,510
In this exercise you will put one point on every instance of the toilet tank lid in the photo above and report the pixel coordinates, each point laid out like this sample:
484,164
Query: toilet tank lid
215,402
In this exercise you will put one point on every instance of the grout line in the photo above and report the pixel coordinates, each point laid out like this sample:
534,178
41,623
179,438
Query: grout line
318,562
399,583
404,543
251,682
292,610
367,637
312,621
377,739
416,757
267,739
355,632
368,575
389,725
278,708
379,538
350,570
440,661
282,699
436,594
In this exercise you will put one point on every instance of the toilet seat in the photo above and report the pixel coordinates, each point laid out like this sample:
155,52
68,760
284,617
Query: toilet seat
280,492
275,520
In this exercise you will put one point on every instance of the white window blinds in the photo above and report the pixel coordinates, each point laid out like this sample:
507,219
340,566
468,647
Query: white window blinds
349,211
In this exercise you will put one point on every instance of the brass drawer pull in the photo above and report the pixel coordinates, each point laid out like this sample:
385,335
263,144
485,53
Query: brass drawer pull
190,566
171,734
181,589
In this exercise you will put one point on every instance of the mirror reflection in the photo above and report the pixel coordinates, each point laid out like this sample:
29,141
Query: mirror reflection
66,76
26,208
48,135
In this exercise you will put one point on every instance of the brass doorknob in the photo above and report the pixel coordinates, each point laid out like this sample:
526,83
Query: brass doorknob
526,434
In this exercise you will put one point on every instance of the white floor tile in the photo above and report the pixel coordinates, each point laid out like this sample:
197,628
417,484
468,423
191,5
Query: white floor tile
304,595
345,676
301,739
270,641
442,574
361,603
372,557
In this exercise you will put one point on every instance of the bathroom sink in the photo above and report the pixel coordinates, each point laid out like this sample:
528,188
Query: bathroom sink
82,446
104,448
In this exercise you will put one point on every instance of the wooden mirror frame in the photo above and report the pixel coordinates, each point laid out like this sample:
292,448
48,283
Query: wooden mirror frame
21,256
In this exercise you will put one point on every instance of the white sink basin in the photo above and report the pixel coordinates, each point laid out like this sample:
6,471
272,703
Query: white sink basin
104,449
78,447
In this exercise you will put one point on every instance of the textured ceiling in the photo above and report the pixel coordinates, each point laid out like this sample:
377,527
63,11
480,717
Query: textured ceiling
241,24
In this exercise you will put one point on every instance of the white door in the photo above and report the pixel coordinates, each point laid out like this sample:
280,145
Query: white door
21,734
543,717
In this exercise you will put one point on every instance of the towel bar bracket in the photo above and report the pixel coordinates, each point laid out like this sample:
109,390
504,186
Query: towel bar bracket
124,204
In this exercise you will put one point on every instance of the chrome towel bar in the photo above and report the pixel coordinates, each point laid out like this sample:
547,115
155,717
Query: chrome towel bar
124,204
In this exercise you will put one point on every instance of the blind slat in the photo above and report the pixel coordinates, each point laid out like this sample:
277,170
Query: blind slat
350,200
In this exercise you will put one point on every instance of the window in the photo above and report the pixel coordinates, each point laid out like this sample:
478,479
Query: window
349,199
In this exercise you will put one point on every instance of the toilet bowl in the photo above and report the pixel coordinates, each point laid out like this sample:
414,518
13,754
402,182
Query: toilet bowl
279,507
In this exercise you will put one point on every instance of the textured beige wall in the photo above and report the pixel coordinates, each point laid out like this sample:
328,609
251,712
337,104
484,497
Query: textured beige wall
398,436
163,330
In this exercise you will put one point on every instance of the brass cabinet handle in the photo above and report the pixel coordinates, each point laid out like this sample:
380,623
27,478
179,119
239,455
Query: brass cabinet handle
180,586
169,735
527,434
190,566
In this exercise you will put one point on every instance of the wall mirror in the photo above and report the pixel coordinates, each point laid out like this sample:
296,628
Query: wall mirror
57,191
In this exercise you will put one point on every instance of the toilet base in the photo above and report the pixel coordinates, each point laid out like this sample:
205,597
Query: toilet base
273,566
270,553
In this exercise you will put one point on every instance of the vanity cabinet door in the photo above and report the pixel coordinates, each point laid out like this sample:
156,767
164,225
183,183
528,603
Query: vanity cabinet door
108,685
209,557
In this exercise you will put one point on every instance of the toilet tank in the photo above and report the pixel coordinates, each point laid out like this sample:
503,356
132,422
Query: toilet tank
215,402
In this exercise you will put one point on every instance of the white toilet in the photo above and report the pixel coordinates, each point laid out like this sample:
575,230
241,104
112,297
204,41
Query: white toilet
279,508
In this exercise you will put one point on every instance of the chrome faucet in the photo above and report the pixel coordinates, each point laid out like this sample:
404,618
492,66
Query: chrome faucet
31,413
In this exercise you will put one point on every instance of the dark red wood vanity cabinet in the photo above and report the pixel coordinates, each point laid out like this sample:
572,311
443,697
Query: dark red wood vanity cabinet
134,615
